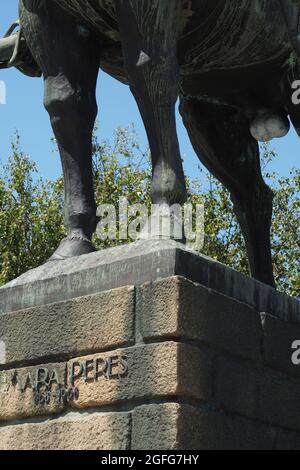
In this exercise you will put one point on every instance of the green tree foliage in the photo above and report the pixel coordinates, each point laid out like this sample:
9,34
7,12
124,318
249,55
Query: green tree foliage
31,209
30,215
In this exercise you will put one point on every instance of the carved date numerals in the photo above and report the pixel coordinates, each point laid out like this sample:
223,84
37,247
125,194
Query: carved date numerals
61,395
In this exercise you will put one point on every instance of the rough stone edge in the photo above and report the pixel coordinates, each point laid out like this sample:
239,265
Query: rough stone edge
136,264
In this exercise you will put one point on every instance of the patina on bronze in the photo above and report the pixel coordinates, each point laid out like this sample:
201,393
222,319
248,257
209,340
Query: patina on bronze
230,62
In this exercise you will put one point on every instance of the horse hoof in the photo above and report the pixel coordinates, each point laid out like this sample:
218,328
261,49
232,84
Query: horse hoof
71,247
267,126
163,226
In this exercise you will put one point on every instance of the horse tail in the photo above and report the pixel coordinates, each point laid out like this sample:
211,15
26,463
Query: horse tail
14,52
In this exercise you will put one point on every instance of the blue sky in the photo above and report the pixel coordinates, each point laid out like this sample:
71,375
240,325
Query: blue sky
24,112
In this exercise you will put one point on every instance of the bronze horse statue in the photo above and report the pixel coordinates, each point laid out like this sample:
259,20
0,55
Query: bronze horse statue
231,62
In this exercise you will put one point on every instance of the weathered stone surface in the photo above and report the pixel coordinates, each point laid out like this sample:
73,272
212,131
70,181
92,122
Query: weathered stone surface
180,309
168,426
278,339
85,324
222,431
222,279
278,398
173,426
154,371
136,264
17,399
99,431
260,394
183,342
155,427
88,274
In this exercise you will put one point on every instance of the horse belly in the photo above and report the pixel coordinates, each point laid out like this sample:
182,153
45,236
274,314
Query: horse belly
239,34
99,15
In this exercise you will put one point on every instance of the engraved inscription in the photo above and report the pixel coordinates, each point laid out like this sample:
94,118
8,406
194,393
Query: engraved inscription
60,383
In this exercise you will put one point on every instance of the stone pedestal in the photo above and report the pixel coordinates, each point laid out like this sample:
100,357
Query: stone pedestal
147,347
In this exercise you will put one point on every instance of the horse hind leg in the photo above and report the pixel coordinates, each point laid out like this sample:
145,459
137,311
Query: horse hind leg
68,56
222,140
